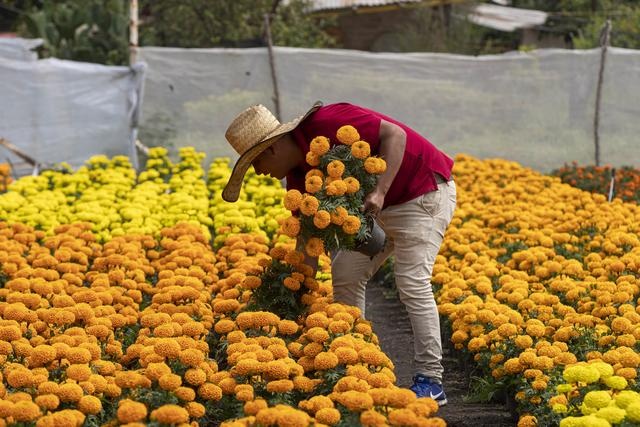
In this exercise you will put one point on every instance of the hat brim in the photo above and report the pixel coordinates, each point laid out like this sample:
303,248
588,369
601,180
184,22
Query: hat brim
231,191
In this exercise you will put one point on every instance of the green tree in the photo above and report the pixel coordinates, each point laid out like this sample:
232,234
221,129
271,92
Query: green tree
230,23
583,20
89,30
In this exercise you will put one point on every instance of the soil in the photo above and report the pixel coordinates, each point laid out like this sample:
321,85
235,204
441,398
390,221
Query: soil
391,325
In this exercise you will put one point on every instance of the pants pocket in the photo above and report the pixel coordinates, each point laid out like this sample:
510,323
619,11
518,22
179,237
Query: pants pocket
430,201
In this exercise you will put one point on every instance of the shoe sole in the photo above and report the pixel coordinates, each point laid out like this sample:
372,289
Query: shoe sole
442,402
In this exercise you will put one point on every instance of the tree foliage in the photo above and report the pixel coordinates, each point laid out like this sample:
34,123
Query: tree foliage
230,23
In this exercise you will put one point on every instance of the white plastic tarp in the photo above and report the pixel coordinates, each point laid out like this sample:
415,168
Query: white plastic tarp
18,48
536,108
57,111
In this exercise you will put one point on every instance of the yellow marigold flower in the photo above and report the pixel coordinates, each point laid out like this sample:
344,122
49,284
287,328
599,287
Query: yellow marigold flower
612,414
339,215
90,405
347,135
351,224
335,169
329,416
292,200
322,219
633,411
314,247
360,150
319,145
313,184
605,369
353,185
70,392
616,382
312,158
24,411
170,414
597,399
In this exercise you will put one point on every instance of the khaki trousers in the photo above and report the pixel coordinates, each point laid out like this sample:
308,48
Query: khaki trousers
415,230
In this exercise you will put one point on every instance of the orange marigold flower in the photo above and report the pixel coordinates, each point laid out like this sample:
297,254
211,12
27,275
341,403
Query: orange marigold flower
360,150
321,219
319,145
351,224
353,185
292,200
312,158
291,226
280,386
25,411
291,284
336,188
335,169
347,135
170,414
314,247
309,205
339,215
210,391
90,405
130,411
328,416
313,184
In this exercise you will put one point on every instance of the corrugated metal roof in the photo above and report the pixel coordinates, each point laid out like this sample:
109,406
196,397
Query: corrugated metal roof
505,18
317,5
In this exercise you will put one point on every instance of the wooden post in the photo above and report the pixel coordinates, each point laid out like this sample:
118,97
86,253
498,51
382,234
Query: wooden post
133,31
274,77
604,44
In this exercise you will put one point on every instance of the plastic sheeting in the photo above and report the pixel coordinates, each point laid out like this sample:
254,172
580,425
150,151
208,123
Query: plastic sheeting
536,108
64,111
19,49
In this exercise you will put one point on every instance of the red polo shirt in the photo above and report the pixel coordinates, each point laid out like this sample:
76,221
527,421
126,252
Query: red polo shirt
421,161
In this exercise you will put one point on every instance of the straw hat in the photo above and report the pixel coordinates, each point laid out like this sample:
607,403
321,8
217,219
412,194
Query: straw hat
252,132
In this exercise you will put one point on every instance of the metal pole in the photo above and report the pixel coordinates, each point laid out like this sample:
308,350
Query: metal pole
604,44
274,77
133,31
612,183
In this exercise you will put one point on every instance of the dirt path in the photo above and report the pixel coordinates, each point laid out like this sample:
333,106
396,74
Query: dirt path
391,324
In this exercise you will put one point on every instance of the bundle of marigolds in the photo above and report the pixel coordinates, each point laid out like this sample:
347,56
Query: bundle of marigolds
329,210
539,283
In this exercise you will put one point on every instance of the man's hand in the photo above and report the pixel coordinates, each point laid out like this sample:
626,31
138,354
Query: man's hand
374,201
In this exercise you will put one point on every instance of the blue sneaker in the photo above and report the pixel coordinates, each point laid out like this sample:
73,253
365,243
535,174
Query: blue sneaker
426,387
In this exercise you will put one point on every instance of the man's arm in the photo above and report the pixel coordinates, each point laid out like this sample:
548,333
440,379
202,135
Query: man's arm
393,140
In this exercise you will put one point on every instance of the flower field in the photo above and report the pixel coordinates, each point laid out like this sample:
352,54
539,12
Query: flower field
539,283
143,299
597,179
